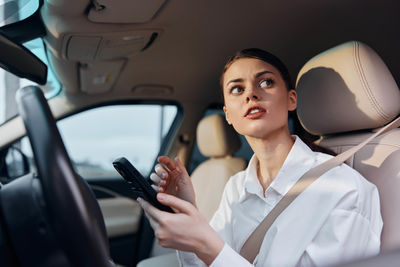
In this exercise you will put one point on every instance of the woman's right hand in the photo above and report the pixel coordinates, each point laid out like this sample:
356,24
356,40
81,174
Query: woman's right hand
186,229
171,177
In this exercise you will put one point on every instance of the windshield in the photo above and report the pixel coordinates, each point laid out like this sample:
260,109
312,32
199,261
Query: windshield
15,10
11,12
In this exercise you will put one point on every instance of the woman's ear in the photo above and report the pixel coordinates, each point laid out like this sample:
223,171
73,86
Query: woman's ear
227,116
292,100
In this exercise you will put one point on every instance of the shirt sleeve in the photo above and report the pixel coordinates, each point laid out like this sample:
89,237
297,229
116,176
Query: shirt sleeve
346,235
229,257
189,259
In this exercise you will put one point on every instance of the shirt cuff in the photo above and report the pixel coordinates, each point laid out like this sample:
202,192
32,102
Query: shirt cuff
229,257
188,259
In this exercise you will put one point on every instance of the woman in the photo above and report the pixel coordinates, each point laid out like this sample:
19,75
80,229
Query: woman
336,219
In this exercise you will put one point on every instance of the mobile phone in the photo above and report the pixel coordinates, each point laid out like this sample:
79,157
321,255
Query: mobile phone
140,185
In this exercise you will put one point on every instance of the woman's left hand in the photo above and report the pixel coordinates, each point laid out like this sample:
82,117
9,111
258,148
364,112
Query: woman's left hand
186,229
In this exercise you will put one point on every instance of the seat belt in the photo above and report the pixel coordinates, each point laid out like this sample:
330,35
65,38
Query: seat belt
252,245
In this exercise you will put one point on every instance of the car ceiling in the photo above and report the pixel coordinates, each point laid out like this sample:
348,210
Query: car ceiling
197,37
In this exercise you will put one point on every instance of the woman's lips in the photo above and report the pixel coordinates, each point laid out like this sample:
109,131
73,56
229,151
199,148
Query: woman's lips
255,113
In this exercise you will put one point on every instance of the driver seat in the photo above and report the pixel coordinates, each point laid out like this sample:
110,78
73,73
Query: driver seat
344,95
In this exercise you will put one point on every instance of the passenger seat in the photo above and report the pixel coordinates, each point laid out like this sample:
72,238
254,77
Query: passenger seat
217,140
344,95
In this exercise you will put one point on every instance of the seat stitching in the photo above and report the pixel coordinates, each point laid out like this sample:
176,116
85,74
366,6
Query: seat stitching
373,101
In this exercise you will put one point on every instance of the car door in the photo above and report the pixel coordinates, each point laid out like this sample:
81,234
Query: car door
95,137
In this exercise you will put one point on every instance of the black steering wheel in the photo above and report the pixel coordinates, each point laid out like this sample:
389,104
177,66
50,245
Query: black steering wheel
71,212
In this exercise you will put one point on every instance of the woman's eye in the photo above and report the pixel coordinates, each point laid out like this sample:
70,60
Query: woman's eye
236,90
267,83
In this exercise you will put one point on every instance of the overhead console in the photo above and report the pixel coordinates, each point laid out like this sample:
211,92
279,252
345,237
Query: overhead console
89,47
124,11
102,57
98,39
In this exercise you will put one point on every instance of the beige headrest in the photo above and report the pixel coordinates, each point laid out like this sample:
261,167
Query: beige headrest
344,89
216,138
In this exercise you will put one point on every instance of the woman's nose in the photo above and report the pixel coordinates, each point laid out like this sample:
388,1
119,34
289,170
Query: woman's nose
252,95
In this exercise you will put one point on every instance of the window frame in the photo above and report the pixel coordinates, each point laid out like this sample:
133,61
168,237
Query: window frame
164,146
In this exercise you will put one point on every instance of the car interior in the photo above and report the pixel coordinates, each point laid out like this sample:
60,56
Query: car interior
85,82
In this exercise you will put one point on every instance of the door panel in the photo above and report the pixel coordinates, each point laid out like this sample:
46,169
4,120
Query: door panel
93,139
121,216
96,137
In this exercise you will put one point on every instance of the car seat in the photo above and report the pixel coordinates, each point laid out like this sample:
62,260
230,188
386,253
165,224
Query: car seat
344,95
218,141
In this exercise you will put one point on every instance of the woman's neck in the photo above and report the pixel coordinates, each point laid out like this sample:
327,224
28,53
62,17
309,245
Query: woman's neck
271,153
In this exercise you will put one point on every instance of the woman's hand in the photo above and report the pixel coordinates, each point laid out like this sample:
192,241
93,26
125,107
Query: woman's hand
172,178
185,230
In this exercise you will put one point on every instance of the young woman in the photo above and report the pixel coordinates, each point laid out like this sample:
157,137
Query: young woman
336,219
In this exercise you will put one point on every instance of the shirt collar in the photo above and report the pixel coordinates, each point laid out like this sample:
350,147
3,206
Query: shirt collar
300,159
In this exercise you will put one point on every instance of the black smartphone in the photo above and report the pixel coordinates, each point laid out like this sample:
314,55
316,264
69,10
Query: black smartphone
140,185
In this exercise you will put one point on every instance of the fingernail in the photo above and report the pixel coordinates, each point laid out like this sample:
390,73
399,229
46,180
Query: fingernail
139,200
160,196
163,175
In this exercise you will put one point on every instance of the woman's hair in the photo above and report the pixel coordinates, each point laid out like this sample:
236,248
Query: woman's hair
278,64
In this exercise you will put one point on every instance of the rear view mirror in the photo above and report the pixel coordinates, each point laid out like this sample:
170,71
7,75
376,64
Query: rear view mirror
13,164
20,61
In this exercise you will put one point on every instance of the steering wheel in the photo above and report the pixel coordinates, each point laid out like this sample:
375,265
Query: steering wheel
71,210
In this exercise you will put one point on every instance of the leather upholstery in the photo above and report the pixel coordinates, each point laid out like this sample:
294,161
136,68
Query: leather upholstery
349,88
209,181
346,88
218,140
379,163
121,215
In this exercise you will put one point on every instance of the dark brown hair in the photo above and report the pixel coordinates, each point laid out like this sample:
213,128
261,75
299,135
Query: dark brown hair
281,67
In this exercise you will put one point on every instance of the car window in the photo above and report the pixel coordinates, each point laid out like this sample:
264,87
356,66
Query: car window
95,137
10,83
15,10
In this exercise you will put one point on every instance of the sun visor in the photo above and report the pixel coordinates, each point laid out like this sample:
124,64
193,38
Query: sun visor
100,77
124,11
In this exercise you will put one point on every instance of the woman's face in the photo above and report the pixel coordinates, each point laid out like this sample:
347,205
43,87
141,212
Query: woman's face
256,98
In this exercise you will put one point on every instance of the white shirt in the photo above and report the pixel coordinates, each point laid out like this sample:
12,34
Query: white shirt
337,218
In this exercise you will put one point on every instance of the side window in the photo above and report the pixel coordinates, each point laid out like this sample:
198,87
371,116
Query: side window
95,137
